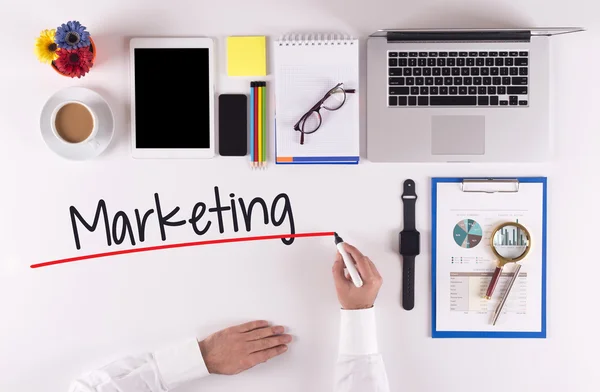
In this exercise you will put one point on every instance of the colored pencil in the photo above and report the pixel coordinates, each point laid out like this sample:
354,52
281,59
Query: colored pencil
255,108
260,124
252,123
264,124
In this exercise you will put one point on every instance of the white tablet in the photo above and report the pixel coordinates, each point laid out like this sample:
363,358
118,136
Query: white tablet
172,98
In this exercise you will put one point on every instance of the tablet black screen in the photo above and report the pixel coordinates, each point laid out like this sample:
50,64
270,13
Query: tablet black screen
172,98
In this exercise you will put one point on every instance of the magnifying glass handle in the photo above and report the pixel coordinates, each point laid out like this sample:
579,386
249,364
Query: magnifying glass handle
493,282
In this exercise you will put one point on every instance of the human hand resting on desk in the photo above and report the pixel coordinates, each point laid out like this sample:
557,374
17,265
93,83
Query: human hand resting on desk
239,348
350,296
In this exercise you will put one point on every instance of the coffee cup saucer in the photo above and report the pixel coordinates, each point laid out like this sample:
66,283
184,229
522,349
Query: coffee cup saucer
90,148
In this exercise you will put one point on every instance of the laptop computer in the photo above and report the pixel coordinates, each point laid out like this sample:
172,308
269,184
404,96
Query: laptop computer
459,95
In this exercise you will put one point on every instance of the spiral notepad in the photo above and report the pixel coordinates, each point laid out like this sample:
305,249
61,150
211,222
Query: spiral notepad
307,66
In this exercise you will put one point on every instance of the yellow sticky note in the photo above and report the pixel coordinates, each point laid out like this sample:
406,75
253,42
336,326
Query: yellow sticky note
246,56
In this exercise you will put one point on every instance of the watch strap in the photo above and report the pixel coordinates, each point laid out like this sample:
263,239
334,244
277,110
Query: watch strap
408,282
409,197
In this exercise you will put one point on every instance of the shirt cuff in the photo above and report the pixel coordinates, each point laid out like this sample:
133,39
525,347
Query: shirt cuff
181,363
358,333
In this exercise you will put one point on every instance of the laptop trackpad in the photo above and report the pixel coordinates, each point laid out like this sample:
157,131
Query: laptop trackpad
458,135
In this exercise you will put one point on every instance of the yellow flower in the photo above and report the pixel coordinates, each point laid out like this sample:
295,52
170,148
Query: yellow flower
45,47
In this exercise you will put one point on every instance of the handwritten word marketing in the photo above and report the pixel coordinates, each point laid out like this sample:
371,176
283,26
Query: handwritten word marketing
203,217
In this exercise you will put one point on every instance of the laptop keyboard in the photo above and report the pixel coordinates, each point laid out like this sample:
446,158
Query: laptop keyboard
478,79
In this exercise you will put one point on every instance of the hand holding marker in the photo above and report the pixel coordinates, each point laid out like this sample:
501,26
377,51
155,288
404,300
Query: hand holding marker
348,261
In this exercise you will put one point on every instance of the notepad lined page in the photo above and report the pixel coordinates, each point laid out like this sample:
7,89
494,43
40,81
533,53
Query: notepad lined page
306,69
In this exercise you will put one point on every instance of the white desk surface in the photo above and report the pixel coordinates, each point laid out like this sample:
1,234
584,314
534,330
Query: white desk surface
60,321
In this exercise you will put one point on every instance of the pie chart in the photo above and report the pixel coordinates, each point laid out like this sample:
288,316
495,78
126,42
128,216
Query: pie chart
467,233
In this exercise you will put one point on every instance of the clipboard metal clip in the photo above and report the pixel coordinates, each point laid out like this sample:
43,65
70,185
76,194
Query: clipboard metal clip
490,185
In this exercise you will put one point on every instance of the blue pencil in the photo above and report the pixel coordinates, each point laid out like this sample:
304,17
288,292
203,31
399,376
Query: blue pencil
252,123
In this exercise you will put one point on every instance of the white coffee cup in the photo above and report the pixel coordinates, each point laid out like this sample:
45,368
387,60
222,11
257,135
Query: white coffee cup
70,134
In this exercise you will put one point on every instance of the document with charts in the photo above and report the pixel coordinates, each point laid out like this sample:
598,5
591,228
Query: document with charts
464,215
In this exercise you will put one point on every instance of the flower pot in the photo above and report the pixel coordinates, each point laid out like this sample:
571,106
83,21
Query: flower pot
92,49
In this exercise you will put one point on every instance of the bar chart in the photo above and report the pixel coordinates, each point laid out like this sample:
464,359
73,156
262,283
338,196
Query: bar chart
510,236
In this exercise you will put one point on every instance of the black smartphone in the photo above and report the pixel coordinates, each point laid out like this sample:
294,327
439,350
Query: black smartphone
233,125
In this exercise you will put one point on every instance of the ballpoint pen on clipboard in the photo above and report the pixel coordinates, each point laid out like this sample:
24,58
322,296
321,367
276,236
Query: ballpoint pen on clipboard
506,293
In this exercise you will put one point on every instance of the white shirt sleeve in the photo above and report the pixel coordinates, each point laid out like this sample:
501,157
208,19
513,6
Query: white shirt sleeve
160,371
359,367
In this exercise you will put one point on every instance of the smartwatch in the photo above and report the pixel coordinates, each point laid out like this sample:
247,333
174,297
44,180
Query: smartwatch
410,245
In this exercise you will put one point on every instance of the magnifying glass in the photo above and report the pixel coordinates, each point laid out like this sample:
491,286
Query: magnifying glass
510,242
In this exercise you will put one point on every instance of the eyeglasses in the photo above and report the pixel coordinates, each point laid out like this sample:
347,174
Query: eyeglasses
311,121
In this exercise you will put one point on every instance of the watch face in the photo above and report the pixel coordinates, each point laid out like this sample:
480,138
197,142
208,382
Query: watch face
410,243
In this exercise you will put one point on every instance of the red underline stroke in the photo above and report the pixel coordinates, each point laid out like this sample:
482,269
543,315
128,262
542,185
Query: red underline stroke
181,245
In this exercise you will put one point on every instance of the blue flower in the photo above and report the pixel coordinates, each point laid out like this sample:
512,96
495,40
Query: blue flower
72,35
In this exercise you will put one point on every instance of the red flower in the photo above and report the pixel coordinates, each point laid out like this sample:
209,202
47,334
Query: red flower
76,62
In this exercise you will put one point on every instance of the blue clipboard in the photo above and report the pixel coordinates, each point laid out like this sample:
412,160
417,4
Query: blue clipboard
484,334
